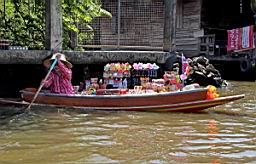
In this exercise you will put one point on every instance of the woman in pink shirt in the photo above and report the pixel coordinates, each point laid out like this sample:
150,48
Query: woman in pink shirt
59,80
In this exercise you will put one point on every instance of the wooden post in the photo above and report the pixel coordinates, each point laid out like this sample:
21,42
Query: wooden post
253,8
74,39
118,23
169,25
53,38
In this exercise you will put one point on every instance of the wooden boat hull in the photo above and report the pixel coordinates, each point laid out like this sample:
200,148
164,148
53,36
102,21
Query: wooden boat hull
183,101
115,100
193,106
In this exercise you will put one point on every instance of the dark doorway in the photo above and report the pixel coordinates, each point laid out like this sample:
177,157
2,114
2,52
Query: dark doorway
226,14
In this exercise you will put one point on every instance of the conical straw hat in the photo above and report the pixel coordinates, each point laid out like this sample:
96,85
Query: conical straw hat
48,62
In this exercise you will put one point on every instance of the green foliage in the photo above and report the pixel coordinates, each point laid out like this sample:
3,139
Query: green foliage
24,21
82,13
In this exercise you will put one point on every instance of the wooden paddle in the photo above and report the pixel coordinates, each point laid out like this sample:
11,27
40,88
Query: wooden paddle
42,84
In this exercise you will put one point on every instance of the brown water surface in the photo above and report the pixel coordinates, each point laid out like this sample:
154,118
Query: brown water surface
224,134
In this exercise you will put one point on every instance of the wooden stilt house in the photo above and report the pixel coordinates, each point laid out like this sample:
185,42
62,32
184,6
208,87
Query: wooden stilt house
200,25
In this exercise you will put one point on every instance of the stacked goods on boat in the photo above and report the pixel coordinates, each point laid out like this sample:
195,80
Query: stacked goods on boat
143,73
116,75
201,71
122,78
204,73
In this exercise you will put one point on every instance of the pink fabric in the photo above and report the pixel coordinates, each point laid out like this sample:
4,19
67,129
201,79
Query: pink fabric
60,83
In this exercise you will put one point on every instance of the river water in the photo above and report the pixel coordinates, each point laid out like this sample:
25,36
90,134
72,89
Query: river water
224,134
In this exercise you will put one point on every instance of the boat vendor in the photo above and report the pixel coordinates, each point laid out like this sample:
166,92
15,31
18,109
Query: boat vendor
59,80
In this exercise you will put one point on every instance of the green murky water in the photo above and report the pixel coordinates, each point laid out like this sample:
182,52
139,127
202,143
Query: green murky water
224,134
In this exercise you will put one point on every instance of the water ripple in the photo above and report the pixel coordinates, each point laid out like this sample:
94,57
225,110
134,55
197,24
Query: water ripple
223,140
244,154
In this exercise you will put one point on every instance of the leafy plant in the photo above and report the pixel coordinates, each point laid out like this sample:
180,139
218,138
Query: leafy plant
82,13
24,21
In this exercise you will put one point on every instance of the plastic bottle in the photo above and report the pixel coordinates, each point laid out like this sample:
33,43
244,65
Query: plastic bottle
125,83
